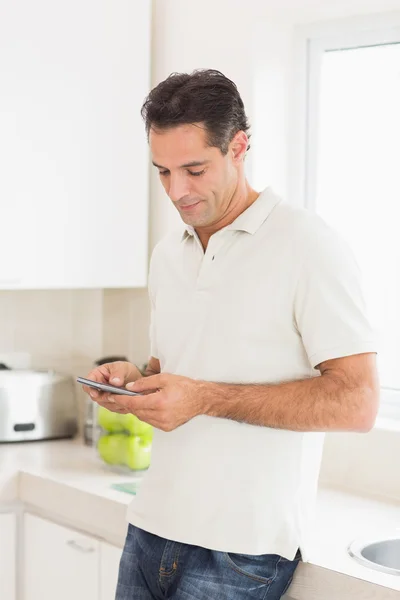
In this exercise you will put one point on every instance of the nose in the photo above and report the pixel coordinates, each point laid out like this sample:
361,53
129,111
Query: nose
178,187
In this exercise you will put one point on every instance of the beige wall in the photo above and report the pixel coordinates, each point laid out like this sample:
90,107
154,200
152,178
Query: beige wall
67,330
366,463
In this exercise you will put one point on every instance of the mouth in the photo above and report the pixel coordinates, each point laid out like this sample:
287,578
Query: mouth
187,207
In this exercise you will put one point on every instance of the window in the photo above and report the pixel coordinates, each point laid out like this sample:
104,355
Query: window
353,172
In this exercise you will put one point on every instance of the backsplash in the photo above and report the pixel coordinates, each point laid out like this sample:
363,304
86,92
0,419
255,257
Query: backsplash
66,330
363,463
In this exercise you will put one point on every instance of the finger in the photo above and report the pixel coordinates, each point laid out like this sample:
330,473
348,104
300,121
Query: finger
101,376
139,403
92,392
112,406
116,409
122,372
114,373
110,399
153,382
118,372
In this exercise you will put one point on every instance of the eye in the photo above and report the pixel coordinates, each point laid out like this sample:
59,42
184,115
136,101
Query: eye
197,173
163,173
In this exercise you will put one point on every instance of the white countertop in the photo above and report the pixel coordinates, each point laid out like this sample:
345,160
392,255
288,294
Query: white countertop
342,517
65,481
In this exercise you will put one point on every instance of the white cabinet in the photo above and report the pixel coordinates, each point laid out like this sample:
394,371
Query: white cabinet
58,562
109,566
73,151
7,556
61,563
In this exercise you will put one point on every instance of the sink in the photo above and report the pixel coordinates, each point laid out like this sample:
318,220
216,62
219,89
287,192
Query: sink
379,554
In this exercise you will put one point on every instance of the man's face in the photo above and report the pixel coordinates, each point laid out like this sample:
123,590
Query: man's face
199,179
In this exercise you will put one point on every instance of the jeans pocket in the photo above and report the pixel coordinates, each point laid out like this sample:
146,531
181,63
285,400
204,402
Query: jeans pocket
261,568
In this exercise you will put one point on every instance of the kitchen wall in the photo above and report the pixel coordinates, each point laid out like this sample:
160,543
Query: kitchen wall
67,330
251,42
368,464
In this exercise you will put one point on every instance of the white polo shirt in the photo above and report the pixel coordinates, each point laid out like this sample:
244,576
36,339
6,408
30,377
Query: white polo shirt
276,293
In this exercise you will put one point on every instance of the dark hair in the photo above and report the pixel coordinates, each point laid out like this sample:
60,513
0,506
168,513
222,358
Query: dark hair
203,96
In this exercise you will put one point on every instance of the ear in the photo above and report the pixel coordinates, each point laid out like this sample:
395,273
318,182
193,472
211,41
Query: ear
238,146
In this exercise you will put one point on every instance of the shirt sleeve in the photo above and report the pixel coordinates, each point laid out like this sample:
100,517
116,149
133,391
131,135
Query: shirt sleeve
330,311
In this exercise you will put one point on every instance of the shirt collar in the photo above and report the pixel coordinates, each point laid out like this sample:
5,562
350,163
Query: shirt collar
252,218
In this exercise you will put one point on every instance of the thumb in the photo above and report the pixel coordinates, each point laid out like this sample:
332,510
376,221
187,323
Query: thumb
117,372
153,382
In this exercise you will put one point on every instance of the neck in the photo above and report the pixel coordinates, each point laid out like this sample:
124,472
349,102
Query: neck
241,199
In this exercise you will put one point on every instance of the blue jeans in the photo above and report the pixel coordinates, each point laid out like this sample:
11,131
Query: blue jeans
153,568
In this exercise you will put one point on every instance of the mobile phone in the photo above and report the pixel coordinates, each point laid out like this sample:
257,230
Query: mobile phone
105,387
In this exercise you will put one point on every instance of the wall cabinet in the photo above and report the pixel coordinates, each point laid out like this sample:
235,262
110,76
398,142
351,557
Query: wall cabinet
73,151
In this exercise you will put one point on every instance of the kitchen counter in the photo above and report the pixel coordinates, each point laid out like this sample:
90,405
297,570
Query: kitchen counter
65,481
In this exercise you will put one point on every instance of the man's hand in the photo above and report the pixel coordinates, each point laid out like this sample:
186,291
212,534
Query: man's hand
169,400
117,373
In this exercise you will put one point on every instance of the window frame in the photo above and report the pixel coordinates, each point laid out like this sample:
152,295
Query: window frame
310,43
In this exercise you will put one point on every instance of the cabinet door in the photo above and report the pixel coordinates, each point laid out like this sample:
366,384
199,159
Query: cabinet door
8,556
58,562
109,566
73,151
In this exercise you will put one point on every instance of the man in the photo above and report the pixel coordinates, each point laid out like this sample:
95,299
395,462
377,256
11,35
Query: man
259,344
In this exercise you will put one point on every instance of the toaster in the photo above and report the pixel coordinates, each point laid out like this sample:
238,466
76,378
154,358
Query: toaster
37,405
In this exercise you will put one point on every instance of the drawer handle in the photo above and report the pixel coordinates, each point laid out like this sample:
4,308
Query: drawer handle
86,549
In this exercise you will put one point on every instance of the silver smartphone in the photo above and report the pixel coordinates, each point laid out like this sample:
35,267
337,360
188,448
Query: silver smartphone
105,387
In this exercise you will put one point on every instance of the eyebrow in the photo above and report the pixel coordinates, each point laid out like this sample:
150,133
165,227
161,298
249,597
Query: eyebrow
194,163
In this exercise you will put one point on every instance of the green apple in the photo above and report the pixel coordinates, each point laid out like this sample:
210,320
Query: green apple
109,421
112,448
148,435
138,453
136,427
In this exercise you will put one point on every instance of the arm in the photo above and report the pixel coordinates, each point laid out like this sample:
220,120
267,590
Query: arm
344,398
